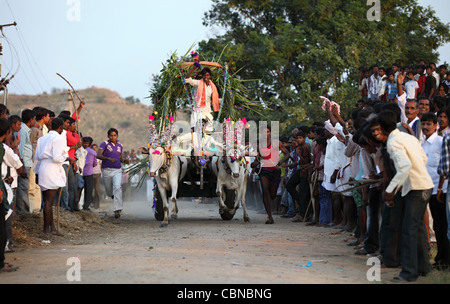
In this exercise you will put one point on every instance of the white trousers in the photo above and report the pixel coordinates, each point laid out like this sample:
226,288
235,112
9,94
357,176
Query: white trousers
112,179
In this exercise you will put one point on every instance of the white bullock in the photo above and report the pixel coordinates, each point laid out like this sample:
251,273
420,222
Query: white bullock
168,170
232,173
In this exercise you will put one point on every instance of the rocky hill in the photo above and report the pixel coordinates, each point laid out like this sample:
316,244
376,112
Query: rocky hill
104,109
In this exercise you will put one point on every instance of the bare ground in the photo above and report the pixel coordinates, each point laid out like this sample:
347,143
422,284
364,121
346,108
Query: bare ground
197,248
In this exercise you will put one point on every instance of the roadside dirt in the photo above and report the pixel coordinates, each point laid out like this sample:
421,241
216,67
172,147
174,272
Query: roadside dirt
197,248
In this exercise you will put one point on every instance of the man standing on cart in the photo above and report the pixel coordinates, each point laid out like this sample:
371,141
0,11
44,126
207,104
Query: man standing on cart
206,94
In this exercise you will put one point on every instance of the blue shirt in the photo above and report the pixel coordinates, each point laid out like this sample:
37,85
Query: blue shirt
391,90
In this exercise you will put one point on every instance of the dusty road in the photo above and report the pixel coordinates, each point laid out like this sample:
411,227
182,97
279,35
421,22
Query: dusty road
198,248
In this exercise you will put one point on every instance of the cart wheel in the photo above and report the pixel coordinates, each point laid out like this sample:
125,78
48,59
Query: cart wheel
159,211
229,202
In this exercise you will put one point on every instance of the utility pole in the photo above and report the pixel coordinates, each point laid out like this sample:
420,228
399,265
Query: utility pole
3,81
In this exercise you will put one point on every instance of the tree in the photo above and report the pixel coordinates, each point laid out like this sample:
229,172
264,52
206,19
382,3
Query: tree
302,49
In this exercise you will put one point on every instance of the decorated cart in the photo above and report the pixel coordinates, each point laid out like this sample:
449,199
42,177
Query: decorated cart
183,158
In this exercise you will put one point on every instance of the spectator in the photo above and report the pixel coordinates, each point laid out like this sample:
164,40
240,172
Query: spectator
411,86
73,143
26,154
425,106
50,173
420,78
37,131
97,175
4,267
300,178
391,88
432,145
382,85
90,163
416,187
373,84
430,84
442,122
435,74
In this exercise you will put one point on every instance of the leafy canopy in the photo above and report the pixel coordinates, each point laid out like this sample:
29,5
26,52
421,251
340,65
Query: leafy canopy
302,49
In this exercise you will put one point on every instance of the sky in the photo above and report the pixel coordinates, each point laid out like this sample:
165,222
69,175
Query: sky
114,44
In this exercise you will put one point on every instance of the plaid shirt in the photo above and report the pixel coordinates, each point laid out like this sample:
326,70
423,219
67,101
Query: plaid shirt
444,162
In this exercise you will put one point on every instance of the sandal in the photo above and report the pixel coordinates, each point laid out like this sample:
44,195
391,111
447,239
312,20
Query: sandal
8,268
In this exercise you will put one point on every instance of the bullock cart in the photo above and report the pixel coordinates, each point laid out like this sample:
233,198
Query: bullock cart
196,171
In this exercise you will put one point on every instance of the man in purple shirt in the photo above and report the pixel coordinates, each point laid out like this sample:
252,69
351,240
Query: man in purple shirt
110,152
89,164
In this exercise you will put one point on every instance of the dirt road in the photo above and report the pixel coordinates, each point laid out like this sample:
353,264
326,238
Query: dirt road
198,248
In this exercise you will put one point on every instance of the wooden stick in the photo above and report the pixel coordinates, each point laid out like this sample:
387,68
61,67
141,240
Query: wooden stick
59,199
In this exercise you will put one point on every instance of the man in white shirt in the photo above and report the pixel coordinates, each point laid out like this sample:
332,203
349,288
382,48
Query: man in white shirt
50,155
416,187
373,84
382,84
335,159
435,74
432,145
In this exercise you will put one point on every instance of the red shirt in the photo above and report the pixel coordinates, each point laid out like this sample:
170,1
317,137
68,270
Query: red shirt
421,81
72,140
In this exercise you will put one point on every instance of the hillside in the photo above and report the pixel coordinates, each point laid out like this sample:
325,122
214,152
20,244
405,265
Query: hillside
104,109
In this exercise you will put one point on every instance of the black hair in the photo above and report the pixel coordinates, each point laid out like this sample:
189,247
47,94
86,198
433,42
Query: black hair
429,117
27,115
5,125
393,107
358,138
439,102
88,140
64,113
71,120
305,129
40,112
367,132
388,120
322,141
51,113
3,109
112,130
440,111
56,123
318,124
320,131
206,70
300,133
64,117
14,118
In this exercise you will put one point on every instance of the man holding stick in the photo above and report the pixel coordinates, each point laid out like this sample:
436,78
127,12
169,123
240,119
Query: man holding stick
50,175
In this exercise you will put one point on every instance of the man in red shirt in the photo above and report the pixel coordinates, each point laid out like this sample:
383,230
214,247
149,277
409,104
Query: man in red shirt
73,143
421,78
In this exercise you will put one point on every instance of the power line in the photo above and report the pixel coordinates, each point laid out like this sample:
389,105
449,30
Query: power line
28,53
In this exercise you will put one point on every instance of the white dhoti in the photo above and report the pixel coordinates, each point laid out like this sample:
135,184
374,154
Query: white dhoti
202,113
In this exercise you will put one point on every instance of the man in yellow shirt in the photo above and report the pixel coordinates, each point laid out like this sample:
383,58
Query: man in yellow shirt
416,187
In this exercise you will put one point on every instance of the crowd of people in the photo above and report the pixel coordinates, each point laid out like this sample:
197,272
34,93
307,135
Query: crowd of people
379,173
46,162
